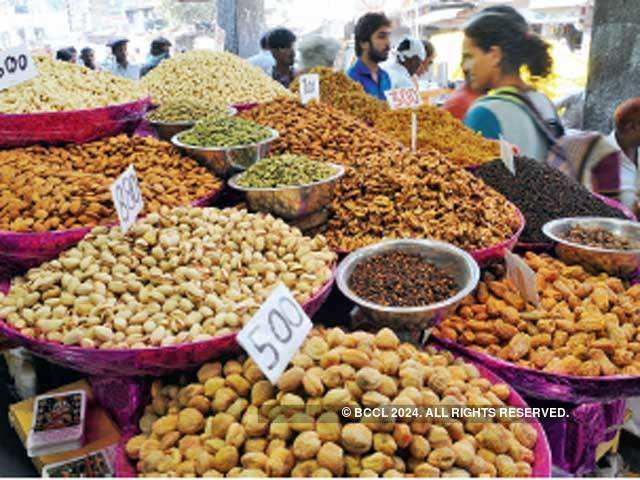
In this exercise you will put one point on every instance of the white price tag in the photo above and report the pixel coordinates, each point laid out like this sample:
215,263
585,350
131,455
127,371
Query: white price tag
403,98
309,88
522,277
16,66
506,153
127,198
275,333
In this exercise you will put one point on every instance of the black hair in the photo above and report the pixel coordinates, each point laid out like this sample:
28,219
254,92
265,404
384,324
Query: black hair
429,49
281,38
504,27
404,45
86,51
264,40
64,55
367,26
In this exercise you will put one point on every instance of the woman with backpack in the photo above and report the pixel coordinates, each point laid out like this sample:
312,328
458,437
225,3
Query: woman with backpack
497,43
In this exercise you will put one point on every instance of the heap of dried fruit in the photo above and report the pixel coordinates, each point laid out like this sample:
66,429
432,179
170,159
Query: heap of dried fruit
440,130
342,93
232,422
585,325
184,275
387,192
57,188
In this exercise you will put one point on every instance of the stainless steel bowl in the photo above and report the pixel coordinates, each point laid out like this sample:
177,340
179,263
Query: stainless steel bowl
620,263
225,161
456,262
290,203
167,130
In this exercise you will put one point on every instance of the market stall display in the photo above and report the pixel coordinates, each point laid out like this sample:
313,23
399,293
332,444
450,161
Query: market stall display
543,194
206,76
178,276
598,244
230,421
69,103
342,93
387,192
439,130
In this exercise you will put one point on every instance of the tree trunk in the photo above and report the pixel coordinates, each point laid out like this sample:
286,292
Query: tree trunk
244,23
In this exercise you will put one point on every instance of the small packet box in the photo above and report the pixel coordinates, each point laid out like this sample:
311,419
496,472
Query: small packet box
58,423
92,465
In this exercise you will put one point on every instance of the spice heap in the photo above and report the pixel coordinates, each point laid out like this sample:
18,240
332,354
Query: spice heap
211,77
224,132
585,325
542,194
342,93
183,275
399,279
388,192
285,171
232,422
600,238
440,130
64,86
187,110
57,188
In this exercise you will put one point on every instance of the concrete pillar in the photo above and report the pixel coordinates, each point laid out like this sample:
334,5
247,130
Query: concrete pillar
614,61
244,23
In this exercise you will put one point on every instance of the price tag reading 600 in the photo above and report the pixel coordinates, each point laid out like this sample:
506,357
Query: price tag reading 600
275,333
127,198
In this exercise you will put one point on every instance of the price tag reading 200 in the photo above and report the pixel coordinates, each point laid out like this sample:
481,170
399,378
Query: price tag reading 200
275,333
127,198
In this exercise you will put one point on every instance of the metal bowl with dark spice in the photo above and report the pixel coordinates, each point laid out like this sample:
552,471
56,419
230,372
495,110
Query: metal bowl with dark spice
618,262
452,261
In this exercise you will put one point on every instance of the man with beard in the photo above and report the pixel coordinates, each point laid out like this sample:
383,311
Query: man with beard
373,42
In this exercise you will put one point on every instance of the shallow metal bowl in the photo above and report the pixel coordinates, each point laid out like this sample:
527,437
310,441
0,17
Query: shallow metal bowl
290,203
456,262
167,130
620,263
225,161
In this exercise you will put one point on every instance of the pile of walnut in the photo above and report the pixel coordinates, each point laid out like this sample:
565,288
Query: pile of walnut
233,422
585,325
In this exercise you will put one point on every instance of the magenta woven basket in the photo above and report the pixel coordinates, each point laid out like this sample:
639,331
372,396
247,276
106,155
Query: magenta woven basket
21,251
541,467
149,361
551,386
75,126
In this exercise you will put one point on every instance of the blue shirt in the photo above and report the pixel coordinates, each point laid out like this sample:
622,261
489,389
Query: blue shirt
360,73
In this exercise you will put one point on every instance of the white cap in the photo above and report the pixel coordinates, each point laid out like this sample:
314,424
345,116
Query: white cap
416,48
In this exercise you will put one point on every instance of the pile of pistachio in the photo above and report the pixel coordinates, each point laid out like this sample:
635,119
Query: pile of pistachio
186,110
225,132
285,171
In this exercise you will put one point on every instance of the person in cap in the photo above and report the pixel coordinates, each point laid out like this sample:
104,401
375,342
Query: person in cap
264,59
372,45
119,64
282,44
409,56
160,50
88,58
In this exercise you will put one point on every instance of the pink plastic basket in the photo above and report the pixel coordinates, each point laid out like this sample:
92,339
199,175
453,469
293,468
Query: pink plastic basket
21,251
77,126
550,386
148,361
541,467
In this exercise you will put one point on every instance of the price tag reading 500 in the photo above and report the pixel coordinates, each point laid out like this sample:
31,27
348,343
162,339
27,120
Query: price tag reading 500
275,333
127,198
16,66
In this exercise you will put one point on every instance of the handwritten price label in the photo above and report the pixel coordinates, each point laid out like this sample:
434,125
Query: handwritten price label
403,98
127,198
309,88
522,277
275,333
16,66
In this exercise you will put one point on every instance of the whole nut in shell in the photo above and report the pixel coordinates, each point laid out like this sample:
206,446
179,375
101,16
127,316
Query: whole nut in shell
294,433
216,279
